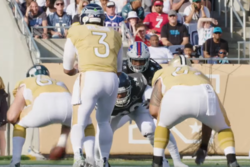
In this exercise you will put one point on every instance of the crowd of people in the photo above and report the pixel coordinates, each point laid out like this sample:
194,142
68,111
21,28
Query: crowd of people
174,22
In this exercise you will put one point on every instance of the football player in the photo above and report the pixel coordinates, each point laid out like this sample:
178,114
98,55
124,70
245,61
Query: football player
139,61
182,92
130,104
39,101
99,52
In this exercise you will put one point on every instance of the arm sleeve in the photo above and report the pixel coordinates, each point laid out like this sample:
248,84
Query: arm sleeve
187,11
119,59
69,55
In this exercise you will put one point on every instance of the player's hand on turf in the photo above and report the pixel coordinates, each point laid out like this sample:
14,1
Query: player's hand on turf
200,156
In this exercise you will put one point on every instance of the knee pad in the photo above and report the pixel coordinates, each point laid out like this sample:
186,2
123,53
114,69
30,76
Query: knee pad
19,131
89,130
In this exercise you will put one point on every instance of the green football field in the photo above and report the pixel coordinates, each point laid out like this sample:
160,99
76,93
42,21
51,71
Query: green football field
122,163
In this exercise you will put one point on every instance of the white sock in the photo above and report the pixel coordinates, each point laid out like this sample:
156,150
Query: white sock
76,136
62,140
89,145
105,138
18,143
229,150
159,152
173,149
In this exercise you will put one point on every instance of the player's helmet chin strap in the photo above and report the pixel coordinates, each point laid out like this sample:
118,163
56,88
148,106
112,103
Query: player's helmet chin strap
122,102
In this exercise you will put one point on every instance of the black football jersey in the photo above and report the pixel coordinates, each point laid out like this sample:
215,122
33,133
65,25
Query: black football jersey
148,74
138,86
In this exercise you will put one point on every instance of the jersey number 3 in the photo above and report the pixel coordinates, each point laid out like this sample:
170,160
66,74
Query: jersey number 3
102,42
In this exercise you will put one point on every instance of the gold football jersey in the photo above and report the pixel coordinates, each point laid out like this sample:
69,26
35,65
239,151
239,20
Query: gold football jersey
182,75
34,86
97,47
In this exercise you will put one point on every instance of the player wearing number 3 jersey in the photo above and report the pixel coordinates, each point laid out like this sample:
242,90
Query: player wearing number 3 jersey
39,101
99,53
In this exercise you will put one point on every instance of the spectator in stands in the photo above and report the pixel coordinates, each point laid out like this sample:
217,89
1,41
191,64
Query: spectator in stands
180,5
212,46
174,33
140,34
205,29
195,11
3,119
223,54
189,53
59,20
119,5
157,19
112,19
23,6
75,7
134,5
167,5
103,4
50,9
34,18
158,52
132,20
146,5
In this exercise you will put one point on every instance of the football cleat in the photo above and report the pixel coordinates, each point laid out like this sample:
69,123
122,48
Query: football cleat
234,164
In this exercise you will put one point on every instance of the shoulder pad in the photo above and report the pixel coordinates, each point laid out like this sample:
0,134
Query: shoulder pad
138,81
153,63
125,66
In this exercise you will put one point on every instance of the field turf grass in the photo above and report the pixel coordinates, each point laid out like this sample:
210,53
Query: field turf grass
122,163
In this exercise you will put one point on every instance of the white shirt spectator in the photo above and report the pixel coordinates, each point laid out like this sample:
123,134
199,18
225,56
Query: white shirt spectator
160,53
166,6
48,12
204,34
41,3
119,5
72,10
196,16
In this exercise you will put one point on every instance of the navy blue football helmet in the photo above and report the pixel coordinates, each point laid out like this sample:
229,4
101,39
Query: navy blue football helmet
92,14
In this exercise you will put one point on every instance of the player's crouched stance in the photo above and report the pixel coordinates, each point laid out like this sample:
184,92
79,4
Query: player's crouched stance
182,92
39,101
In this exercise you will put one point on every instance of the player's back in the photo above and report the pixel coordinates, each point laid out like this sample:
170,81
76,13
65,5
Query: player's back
34,86
97,47
181,75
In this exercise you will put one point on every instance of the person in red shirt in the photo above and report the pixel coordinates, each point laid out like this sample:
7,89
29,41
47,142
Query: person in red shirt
140,35
157,19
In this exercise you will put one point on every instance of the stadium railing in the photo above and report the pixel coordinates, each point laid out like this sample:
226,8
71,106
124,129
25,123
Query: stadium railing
242,23
35,53
127,38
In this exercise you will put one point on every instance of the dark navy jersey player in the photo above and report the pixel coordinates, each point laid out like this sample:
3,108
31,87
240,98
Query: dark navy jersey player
139,61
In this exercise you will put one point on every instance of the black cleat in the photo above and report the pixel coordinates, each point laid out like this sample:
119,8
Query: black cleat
234,164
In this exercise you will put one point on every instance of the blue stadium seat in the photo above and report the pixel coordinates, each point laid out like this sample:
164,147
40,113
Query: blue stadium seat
174,47
193,34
